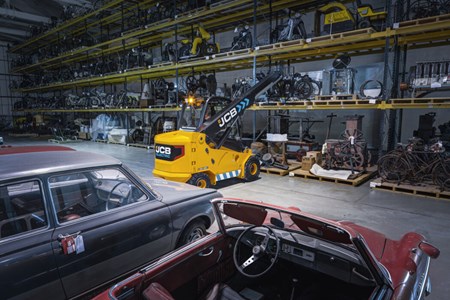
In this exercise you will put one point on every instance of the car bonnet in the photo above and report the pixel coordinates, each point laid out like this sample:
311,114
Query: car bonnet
176,190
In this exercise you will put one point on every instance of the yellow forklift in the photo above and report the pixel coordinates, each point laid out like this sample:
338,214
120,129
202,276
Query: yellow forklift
207,147
338,18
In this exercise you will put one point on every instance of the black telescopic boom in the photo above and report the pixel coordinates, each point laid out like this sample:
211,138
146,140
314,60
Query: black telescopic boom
227,116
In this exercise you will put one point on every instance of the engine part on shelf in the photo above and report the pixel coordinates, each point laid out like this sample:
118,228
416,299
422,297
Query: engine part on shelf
444,130
73,11
162,92
258,148
342,61
240,86
350,151
138,57
203,84
416,163
418,9
426,130
342,81
268,160
295,87
341,76
298,149
429,76
294,29
371,89
338,18
244,38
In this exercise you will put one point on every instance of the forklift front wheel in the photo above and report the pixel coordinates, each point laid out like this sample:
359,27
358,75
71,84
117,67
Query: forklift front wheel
252,168
201,180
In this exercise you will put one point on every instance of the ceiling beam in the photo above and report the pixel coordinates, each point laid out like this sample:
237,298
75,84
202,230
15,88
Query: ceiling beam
83,3
14,14
9,38
11,31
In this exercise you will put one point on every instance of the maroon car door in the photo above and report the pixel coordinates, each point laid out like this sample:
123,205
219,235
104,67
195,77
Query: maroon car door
114,229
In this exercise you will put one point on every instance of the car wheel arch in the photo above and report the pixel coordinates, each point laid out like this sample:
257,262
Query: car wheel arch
202,218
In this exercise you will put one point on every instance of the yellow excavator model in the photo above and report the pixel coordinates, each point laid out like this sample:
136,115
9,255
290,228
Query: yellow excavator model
203,151
338,18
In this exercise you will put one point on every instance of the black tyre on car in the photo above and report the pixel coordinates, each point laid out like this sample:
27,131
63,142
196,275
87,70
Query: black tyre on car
192,232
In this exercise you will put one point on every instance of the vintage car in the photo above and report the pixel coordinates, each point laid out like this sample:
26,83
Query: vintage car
264,251
72,221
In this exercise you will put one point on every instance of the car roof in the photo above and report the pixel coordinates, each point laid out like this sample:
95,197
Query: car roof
24,164
25,149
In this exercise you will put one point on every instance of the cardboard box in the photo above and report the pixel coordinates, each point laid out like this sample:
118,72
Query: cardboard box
317,156
146,103
308,162
84,135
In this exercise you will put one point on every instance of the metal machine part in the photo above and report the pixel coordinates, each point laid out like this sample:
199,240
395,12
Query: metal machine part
371,89
350,151
342,81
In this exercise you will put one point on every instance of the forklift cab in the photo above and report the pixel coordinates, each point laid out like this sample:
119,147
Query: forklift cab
196,114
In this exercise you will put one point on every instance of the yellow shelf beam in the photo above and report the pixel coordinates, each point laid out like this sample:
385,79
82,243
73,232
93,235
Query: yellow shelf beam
102,110
218,20
357,42
403,103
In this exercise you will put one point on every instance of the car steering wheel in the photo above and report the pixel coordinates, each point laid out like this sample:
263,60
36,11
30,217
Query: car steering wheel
258,250
122,200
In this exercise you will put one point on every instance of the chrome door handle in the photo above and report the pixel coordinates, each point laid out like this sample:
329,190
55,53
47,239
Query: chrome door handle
210,249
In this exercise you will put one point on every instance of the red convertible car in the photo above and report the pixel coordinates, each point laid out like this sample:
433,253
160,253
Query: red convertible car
264,251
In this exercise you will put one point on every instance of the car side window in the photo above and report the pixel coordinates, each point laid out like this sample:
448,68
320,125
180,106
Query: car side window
81,194
21,208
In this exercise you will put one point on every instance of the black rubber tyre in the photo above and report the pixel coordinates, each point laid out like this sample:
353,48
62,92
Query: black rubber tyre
201,180
441,175
251,169
184,51
211,49
192,232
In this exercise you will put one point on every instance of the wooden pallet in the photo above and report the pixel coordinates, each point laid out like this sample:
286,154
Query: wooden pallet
343,103
425,190
115,143
64,141
281,172
23,134
420,22
245,51
140,146
371,172
279,45
100,141
364,31
413,101
284,103
335,97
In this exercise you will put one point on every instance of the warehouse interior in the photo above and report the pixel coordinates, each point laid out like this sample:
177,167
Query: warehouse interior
340,108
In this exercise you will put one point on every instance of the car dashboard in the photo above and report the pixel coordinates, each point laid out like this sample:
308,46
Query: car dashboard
335,260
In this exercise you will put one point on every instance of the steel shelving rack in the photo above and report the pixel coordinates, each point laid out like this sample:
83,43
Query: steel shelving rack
221,16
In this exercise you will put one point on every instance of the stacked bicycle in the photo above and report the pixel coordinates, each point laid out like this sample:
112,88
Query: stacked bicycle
417,163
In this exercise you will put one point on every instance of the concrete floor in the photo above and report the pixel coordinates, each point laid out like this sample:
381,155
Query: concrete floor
390,213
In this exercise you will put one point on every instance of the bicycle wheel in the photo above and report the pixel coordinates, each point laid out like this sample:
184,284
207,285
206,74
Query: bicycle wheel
441,174
393,167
